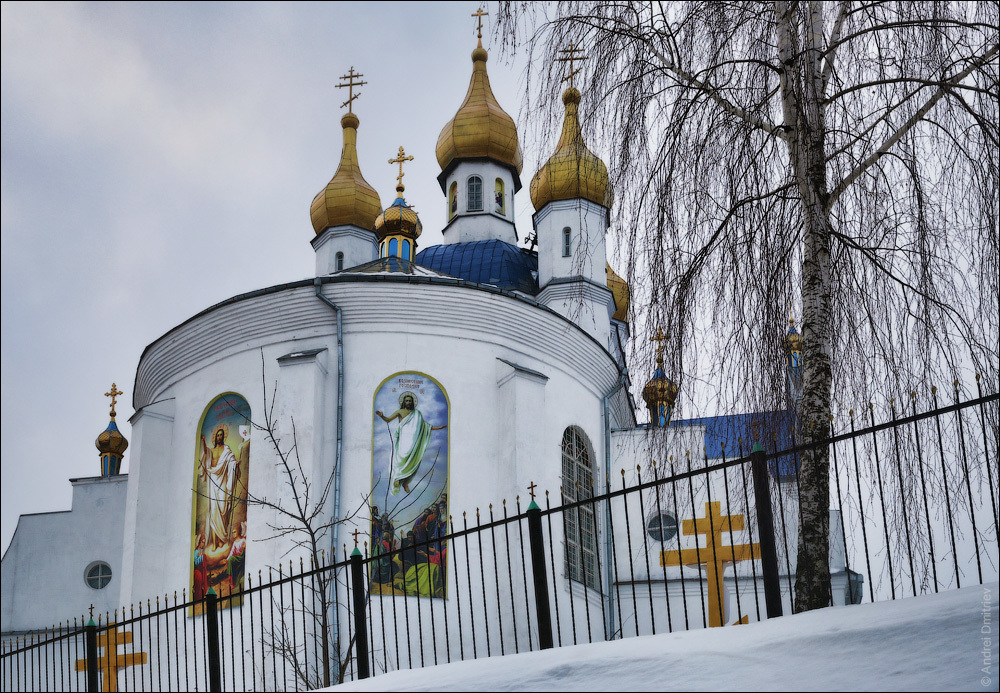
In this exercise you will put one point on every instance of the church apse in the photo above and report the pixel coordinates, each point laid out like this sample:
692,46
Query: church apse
409,501
219,502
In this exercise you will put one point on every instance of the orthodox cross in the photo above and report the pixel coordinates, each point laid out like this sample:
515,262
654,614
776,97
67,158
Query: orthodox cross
113,394
111,661
350,84
659,338
572,54
714,556
531,489
400,158
479,14
355,538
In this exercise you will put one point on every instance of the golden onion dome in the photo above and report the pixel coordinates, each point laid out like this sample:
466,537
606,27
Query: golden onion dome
660,394
111,439
619,289
347,198
573,171
480,128
398,219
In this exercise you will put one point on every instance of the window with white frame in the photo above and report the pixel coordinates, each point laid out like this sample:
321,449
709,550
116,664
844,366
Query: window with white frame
475,196
579,523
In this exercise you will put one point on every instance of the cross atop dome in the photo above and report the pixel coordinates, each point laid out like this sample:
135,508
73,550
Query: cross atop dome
350,84
572,54
400,159
479,14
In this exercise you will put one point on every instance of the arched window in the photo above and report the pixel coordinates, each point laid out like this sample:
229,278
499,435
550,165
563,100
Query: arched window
381,249
340,261
475,196
452,200
567,242
406,250
579,523
499,206
393,247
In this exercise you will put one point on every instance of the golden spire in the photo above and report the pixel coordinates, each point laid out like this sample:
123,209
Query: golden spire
480,128
347,199
573,171
400,158
113,394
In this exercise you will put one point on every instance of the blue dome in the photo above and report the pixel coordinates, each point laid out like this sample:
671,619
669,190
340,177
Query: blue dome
485,262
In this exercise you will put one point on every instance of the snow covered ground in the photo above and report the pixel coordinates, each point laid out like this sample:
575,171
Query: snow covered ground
943,642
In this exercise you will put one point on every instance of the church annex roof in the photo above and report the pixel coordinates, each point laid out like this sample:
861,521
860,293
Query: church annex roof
491,261
392,265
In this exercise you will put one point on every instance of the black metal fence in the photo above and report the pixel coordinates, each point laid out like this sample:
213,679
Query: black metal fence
688,542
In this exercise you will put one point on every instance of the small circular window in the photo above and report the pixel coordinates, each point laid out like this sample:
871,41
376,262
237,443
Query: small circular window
98,575
662,527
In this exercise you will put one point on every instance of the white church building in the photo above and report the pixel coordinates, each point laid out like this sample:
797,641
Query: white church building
419,382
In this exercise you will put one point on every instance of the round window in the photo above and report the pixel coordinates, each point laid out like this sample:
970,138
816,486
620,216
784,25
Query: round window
98,575
662,527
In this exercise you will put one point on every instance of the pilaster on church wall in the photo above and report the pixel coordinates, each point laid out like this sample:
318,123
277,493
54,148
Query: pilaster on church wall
150,452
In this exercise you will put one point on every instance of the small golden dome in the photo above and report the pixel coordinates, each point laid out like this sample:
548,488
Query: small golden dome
480,128
793,340
660,394
398,219
111,440
347,198
619,288
573,171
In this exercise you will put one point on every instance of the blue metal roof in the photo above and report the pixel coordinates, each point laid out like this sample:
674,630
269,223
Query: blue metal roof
723,434
485,262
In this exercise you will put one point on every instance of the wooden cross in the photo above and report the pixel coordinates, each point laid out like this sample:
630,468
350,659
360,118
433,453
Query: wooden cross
350,76
531,489
479,14
572,54
113,394
714,556
111,661
400,158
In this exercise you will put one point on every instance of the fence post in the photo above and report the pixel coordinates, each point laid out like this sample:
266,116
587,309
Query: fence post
539,576
765,528
212,624
360,624
90,634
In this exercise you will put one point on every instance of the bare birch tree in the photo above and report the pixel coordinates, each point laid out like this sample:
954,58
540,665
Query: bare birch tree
833,159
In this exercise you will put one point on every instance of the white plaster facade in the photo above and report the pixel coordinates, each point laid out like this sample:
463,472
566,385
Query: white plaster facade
44,568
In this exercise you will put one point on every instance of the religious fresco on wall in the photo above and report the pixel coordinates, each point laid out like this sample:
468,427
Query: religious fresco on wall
219,503
409,502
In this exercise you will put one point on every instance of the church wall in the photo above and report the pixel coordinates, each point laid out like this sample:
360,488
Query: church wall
588,223
451,333
46,561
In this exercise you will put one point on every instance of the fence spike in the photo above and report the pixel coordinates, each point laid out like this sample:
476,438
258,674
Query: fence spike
933,389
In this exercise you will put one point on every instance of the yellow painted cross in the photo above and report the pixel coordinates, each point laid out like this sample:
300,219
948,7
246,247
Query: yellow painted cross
714,556
111,661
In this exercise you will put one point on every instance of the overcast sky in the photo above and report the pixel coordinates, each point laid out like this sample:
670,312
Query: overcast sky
159,158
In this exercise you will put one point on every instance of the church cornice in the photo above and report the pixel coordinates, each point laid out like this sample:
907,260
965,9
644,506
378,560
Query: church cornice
296,312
